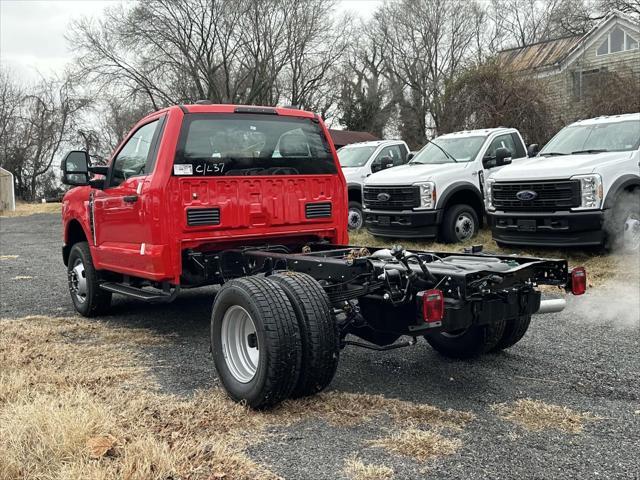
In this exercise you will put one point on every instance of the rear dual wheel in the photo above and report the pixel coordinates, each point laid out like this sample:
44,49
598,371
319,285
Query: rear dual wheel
478,339
273,338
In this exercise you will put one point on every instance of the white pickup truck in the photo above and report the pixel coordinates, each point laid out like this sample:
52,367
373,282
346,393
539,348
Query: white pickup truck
439,193
583,189
359,160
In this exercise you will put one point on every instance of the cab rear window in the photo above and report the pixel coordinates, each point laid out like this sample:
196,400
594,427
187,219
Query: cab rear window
251,144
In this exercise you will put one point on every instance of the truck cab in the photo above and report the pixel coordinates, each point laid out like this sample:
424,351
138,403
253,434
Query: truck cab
583,189
359,160
439,192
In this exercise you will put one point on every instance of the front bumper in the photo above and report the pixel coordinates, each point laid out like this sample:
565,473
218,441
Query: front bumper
548,229
403,223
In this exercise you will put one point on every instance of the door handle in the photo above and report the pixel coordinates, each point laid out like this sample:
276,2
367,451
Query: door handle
130,198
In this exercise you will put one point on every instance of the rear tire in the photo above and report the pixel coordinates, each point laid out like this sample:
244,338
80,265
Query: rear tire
88,298
318,331
472,342
255,341
460,224
514,330
355,216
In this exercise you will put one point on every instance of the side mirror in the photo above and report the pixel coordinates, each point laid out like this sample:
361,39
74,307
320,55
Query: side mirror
532,150
387,162
503,156
75,168
410,156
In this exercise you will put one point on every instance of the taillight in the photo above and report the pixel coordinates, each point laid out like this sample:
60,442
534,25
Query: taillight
578,280
432,306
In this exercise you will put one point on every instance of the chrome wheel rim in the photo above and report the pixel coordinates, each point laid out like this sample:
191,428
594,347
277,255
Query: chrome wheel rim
78,281
240,344
465,227
355,219
631,233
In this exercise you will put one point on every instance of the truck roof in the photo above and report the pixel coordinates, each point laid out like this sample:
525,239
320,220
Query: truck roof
608,119
477,133
227,108
373,143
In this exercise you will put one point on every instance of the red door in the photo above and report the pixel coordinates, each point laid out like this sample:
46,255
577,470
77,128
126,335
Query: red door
121,230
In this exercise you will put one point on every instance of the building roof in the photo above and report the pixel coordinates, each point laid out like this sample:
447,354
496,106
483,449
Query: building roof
559,52
539,55
345,137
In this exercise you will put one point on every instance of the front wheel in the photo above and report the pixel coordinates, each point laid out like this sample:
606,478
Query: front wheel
625,230
255,340
460,224
88,298
355,217
469,342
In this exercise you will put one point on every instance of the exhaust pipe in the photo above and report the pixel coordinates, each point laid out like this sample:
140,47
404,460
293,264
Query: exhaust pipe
552,306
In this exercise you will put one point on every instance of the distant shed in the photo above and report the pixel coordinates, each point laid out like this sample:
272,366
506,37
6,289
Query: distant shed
7,196
345,137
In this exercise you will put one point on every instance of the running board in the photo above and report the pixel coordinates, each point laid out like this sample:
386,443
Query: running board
139,293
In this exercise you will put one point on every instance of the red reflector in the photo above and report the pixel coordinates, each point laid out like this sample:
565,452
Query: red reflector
432,306
578,281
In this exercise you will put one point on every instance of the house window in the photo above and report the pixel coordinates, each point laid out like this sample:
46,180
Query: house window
617,40
588,82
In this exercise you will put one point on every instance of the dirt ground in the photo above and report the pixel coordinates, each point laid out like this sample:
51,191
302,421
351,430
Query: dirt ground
134,394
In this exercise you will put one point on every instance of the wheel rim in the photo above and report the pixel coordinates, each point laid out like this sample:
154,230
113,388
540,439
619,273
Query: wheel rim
355,219
465,226
78,281
631,233
240,344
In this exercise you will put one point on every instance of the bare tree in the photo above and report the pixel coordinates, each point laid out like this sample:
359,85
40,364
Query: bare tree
426,50
41,122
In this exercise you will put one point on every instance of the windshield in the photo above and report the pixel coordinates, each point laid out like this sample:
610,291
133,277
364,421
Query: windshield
251,144
602,137
354,156
462,149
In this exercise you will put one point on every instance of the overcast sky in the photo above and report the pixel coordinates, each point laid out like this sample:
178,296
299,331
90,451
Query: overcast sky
32,32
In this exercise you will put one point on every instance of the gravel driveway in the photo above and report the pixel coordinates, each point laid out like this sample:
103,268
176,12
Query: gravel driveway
564,360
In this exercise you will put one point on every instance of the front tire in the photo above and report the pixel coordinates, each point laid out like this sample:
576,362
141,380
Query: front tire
88,298
255,341
469,343
460,224
355,216
625,230
318,331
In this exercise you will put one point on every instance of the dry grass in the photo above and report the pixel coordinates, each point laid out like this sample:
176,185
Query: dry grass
421,445
355,469
8,257
536,416
600,267
26,209
348,409
64,382
68,385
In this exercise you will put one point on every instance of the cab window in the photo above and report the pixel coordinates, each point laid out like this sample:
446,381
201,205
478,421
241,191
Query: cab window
394,153
501,141
134,160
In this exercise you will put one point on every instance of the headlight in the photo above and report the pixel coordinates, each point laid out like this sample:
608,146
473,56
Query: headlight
427,195
590,191
488,200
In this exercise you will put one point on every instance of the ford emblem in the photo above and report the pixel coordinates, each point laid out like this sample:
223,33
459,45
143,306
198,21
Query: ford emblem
383,197
526,195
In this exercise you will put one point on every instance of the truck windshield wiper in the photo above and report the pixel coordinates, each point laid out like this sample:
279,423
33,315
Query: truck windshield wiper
446,154
551,154
591,150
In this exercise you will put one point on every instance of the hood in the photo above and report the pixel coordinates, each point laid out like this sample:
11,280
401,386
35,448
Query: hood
408,174
353,174
565,166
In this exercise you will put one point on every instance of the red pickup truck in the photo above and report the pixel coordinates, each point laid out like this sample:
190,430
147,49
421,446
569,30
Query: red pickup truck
253,199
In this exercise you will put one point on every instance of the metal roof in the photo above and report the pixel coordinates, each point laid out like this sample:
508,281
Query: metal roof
539,55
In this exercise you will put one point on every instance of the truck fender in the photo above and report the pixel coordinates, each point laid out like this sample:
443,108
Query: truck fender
355,192
620,185
458,187
74,230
